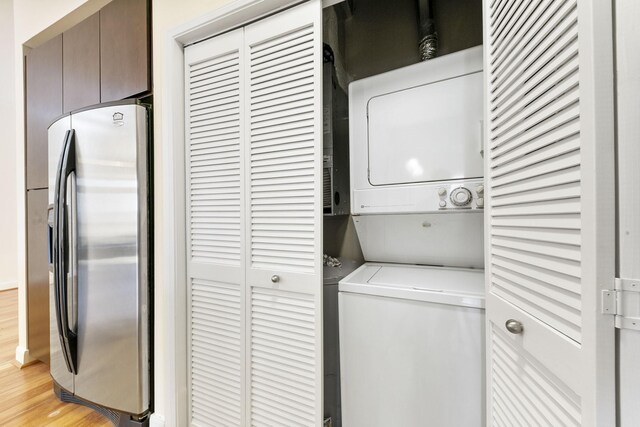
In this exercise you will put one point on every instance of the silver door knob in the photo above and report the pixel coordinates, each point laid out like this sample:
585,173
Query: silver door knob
514,326
275,278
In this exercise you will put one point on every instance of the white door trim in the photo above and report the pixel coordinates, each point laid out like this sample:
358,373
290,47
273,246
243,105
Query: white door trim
172,260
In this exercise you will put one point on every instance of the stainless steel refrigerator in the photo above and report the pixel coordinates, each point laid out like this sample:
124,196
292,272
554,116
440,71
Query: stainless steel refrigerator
101,259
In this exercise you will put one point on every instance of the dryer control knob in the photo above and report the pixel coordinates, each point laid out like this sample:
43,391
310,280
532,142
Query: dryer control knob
460,196
442,191
480,190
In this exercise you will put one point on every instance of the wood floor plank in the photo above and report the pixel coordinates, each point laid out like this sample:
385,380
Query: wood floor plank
26,395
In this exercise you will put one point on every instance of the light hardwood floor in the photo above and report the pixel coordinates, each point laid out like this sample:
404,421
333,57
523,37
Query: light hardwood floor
26,395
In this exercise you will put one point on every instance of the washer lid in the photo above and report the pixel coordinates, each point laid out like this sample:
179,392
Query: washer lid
454,286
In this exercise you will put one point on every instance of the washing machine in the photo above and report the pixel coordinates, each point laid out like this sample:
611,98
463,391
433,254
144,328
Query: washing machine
331,345
412,346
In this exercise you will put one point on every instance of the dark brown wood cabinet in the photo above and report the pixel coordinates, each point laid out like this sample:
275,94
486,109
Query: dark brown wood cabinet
43,93
43,68
81,64
38,275
125,49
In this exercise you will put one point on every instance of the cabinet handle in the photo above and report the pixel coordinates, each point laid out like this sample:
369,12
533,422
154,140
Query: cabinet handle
275,278
514,326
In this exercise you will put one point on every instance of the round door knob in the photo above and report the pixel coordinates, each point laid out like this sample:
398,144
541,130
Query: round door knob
275,278
514,326
460,196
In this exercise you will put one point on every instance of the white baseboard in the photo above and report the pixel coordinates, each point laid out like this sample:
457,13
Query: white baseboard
156,420
22,356
8,285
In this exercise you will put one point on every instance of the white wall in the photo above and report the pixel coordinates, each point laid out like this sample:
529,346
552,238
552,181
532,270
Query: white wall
8,215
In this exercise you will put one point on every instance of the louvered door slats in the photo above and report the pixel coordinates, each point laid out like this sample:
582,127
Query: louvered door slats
215,352
502,18
521,46
217,88
530,391
217,121
567,236
215,238
268,63
554,123
547,125
270,357
563,102
208,111
274,44
284,97
537,60
556,222
510,271
498,10
564,140
525,31
255,146
564,315
269,76
545,179
225,92
299,107
565,133
283,240
293,118
539,97
547,279
282,157
515,26
538,260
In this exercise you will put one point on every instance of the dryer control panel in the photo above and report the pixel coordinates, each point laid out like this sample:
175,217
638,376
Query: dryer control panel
461,197
465,195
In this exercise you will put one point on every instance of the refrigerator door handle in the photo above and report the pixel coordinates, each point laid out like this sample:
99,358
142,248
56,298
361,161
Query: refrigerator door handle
63,256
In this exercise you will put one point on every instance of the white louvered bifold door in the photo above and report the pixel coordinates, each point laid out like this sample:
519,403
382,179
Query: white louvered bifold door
214,173
283,56
550,212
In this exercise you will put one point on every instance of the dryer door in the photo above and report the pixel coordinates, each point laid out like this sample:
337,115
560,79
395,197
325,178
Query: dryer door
431,132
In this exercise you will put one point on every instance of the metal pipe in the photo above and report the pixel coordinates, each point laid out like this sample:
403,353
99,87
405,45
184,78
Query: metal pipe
428,44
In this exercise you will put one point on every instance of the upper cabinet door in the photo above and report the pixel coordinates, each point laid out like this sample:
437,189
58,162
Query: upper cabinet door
125,53
283,75
81,64
550,212
43,70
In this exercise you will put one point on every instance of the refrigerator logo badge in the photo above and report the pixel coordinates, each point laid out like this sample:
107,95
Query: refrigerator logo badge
118,119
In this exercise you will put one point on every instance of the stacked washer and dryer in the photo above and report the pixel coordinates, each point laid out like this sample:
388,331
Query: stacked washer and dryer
412,317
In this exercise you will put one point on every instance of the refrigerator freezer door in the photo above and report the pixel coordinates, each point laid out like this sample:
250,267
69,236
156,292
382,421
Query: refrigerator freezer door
112,324
58,366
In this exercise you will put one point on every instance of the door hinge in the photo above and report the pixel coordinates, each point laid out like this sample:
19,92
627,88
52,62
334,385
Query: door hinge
623,302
